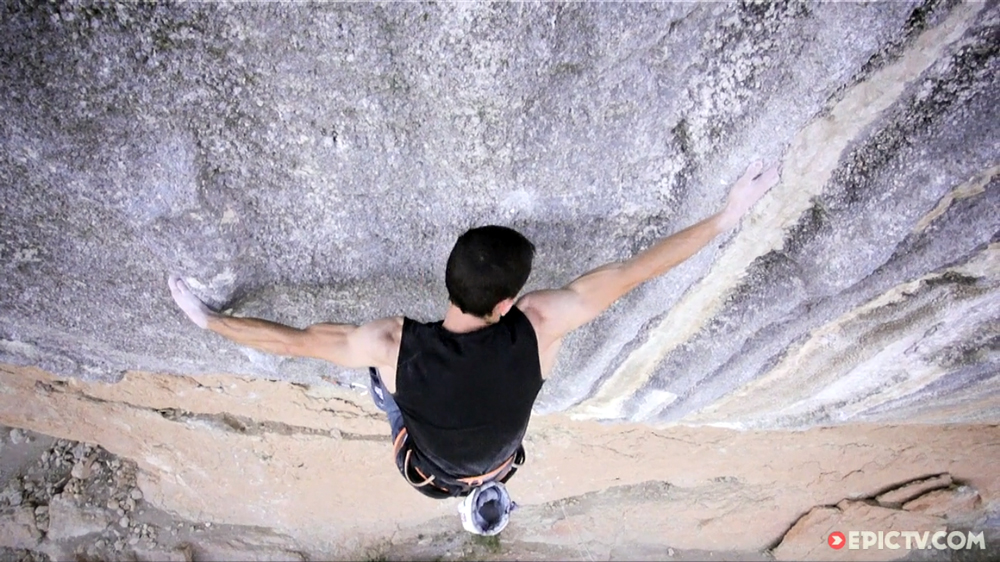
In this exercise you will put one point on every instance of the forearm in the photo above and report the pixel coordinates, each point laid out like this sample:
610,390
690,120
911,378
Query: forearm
674,249
264,335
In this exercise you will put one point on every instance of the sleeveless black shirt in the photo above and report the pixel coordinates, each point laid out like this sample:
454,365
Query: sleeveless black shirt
466,398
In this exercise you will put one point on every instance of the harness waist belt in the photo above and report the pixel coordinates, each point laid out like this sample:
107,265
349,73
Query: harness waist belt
434,482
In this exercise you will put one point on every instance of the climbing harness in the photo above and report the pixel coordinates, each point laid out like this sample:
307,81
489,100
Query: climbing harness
434,482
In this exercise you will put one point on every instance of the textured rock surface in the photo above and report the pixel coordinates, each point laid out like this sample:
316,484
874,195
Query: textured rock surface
953,504
807,540
903,494
17,528
308,468
315,163
67,519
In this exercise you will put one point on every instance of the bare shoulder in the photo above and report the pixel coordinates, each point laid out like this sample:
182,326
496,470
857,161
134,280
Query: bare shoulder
382,339
391,326
533,306
386,331
378,341
543,309
528,304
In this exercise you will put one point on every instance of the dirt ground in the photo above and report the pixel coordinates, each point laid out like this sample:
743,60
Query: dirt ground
160,467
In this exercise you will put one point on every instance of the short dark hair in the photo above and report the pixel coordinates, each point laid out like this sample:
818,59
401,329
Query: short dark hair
487,265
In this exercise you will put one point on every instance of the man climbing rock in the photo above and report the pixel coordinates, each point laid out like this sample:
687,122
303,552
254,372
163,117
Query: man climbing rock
459,392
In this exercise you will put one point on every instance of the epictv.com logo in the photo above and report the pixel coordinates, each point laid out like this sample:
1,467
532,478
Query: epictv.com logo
910,540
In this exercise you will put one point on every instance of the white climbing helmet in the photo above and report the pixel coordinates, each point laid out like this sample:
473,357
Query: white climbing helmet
486,510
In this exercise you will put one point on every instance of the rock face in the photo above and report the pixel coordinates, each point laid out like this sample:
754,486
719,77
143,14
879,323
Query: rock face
953,503
17,528
808,539
282,468
933,505
903,494
67,519
311,163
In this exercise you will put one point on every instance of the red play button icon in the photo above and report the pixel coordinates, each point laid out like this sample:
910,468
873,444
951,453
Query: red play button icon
836,540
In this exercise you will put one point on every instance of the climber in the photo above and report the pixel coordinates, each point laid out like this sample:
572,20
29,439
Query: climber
459,392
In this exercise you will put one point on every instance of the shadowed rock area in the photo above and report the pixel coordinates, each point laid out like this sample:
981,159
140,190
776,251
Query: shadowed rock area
315,163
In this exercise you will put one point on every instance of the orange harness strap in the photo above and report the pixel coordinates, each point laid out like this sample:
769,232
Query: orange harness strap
472,481
475,481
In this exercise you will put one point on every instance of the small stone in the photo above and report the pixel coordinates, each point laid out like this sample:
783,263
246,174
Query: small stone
670,552
120,512
209,524
101,543
13,497
17,436
123,522
42,510
129,504
173,532
135,494
133,541
81,470
113,503
119,545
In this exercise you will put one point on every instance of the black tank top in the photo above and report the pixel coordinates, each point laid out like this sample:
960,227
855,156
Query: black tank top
466,398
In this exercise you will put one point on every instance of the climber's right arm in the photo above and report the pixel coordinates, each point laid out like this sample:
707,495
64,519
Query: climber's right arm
374,344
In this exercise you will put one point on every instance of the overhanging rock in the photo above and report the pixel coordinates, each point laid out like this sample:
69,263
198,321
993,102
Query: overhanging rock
315,163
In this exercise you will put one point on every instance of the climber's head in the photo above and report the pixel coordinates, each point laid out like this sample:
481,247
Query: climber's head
487,268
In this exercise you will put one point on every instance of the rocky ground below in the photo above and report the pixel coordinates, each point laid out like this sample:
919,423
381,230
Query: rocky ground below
159,467
66,500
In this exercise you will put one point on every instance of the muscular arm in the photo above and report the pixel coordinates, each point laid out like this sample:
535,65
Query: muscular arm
556,312
375,344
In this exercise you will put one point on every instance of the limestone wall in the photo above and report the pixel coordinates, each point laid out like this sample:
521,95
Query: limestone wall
315,163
